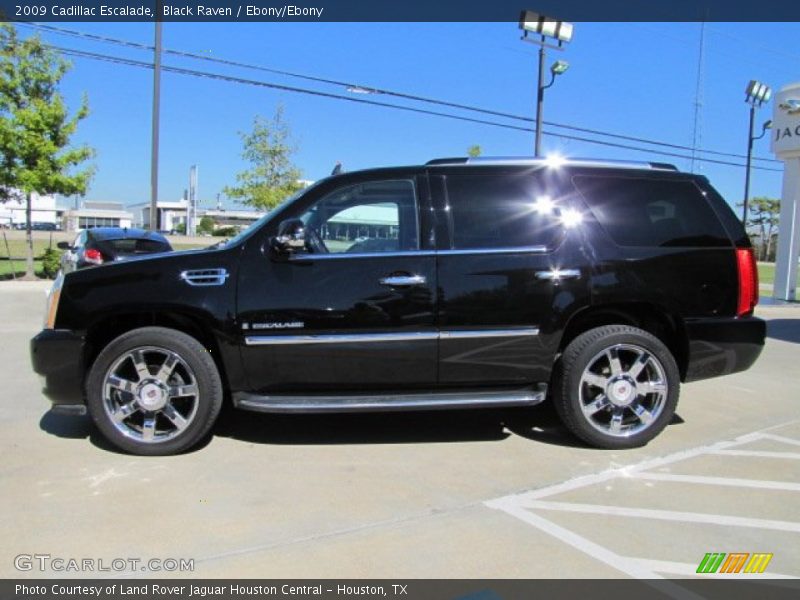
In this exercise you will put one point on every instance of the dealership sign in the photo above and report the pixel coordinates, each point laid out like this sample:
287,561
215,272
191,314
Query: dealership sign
786,122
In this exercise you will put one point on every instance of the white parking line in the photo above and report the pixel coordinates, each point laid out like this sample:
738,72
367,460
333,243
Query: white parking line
663,515
523,505
780,438
759,454
727,481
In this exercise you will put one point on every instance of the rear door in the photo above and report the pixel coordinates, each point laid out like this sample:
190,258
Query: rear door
510,273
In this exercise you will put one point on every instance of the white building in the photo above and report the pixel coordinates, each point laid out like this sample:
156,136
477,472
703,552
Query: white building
170,214
43,210
97,214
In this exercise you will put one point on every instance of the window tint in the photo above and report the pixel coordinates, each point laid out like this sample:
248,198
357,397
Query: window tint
377,216
652,212
136,246
491,211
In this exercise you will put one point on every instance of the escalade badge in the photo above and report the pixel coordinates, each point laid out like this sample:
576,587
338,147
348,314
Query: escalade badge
277,325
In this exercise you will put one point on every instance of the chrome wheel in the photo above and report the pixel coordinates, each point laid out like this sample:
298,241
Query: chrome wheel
623,390
150,394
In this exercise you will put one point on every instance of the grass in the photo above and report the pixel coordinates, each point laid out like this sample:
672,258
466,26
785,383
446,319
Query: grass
19,269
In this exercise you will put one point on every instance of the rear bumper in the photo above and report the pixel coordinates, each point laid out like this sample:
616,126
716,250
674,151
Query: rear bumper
723,346
57,355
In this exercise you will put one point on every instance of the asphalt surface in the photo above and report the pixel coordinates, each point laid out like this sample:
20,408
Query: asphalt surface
481,494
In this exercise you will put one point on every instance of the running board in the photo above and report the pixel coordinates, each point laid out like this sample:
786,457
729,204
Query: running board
388,402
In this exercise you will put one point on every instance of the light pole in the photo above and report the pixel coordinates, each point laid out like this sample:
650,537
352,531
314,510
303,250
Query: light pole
756,95
154,224
537,29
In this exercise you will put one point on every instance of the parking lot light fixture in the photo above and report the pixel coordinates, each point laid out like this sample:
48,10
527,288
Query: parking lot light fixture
756,95
547,33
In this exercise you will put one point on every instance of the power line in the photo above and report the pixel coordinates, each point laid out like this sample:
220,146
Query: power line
365,101
372,90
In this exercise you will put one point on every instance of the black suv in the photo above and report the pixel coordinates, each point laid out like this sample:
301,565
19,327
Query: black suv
460,283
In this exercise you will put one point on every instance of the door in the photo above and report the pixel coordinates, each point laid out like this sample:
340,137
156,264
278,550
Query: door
509,272
355,309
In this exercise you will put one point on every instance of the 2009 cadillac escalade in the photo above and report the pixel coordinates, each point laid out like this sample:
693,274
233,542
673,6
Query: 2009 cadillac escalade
460,283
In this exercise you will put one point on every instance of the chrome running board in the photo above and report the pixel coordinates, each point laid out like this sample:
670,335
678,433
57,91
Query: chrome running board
388,402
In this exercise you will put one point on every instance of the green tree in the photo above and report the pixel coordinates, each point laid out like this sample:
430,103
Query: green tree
763,216
206,225
272,175
35,126
474,151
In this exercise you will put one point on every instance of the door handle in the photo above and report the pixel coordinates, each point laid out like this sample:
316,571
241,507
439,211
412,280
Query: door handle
558,274
403,280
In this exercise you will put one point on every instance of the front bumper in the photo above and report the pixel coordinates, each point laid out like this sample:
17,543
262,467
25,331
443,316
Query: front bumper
723,346
57,355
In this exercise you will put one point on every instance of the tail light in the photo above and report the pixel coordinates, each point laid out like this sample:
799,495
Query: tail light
748,281
91,255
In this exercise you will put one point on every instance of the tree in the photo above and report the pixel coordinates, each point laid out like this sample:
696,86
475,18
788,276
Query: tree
35,126
206,225
764,215
474,151
272,175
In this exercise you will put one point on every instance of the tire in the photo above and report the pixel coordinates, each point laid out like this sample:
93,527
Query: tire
154,391
617,387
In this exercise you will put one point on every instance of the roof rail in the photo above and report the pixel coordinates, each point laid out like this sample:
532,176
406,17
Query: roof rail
510,160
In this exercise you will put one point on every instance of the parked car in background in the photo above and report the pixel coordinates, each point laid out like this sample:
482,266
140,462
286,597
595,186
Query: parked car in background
109,244
44,227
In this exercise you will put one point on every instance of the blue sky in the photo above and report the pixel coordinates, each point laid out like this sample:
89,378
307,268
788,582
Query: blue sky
630,78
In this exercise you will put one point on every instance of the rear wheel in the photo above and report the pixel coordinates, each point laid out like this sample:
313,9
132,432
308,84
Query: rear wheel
618,387
154,391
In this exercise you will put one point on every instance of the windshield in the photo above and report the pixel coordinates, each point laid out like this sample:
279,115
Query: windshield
256,224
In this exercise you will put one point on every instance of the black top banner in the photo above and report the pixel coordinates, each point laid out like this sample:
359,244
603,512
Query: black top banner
396,10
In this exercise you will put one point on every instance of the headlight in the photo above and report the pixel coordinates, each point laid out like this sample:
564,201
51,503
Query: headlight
53,296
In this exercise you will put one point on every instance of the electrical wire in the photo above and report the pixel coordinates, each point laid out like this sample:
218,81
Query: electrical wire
406,96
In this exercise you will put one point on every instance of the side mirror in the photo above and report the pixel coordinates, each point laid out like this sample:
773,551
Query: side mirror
63,246
291,237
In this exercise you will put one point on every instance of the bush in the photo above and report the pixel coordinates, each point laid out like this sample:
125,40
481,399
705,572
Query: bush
51,262
225,232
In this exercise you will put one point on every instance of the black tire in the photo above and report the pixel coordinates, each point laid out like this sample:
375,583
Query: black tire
184,419
571,392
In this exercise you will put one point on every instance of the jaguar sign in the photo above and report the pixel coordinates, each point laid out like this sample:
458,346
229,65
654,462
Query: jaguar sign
786,145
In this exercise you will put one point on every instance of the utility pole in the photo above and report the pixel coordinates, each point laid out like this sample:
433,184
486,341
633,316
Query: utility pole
191,221
154,225
537,148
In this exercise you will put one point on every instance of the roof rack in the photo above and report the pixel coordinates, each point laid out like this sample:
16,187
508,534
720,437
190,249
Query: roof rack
580,162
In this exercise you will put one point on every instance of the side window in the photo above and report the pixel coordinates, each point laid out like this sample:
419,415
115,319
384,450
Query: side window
375,216
652,212
501,212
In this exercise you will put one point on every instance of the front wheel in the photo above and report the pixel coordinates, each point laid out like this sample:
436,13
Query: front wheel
154,391
617,388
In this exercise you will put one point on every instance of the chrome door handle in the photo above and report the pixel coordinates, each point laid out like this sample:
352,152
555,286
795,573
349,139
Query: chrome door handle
558,274
403,280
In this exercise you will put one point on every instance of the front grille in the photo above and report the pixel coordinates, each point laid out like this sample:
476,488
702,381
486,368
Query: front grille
202,277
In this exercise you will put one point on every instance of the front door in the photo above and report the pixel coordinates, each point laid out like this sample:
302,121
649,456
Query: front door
354,310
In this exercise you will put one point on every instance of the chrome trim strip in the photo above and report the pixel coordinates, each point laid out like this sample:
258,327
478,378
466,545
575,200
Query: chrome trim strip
360,338
488,333
558,274
340,255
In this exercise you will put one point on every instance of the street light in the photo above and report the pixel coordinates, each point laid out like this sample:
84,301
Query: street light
756,94
537,29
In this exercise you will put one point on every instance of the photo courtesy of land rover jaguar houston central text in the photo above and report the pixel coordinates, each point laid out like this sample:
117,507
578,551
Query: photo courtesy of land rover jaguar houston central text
460,283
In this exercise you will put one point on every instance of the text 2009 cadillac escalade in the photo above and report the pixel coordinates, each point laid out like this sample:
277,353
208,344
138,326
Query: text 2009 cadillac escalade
460,283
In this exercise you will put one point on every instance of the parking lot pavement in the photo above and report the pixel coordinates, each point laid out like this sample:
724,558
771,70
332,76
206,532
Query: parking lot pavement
489,494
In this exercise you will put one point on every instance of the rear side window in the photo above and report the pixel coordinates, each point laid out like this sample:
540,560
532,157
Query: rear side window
652,212
500,212
137,246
